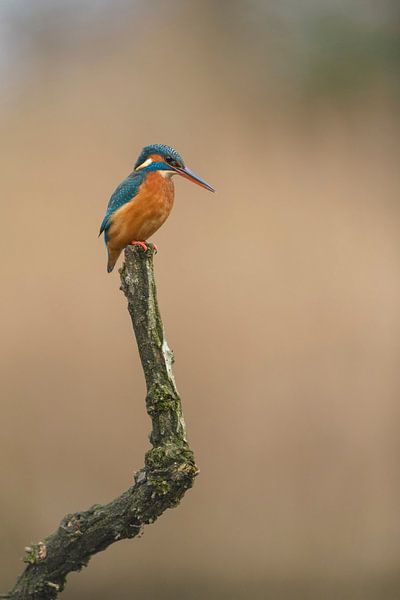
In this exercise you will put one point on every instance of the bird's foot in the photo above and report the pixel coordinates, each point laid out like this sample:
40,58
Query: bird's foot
141,244
145,246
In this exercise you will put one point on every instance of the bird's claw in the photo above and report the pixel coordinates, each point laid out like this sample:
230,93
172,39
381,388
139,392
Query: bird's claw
141,244
144,246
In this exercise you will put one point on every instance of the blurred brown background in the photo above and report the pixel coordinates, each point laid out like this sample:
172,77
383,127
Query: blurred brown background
280,294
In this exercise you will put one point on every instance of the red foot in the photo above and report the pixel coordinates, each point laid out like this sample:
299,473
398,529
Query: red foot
144,246
141,244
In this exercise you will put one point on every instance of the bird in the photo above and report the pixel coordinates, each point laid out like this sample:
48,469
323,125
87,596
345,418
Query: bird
143,201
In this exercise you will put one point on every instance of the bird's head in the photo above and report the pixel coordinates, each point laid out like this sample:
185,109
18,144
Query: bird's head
167,162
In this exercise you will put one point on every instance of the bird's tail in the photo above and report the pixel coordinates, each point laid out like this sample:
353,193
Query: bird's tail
113,255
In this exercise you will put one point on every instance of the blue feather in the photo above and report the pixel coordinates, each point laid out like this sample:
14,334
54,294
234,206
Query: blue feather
124,193
160,149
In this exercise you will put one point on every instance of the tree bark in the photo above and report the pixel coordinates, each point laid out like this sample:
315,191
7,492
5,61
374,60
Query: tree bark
169,467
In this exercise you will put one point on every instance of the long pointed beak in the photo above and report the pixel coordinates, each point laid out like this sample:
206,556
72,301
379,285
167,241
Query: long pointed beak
188,174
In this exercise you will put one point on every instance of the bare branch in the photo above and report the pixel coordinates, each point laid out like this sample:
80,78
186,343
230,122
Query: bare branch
169,468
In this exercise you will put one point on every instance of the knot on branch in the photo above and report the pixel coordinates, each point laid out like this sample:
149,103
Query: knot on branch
171,457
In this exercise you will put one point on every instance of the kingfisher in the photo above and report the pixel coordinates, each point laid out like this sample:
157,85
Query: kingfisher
142,202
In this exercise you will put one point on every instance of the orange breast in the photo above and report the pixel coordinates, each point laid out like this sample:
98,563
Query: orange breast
139,219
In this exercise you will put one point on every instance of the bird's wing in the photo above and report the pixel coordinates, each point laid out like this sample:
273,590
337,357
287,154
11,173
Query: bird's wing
124,193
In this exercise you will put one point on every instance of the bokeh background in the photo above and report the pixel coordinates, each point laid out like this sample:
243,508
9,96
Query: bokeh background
280,294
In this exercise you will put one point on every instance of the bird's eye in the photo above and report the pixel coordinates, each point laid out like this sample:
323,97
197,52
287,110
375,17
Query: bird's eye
171,161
